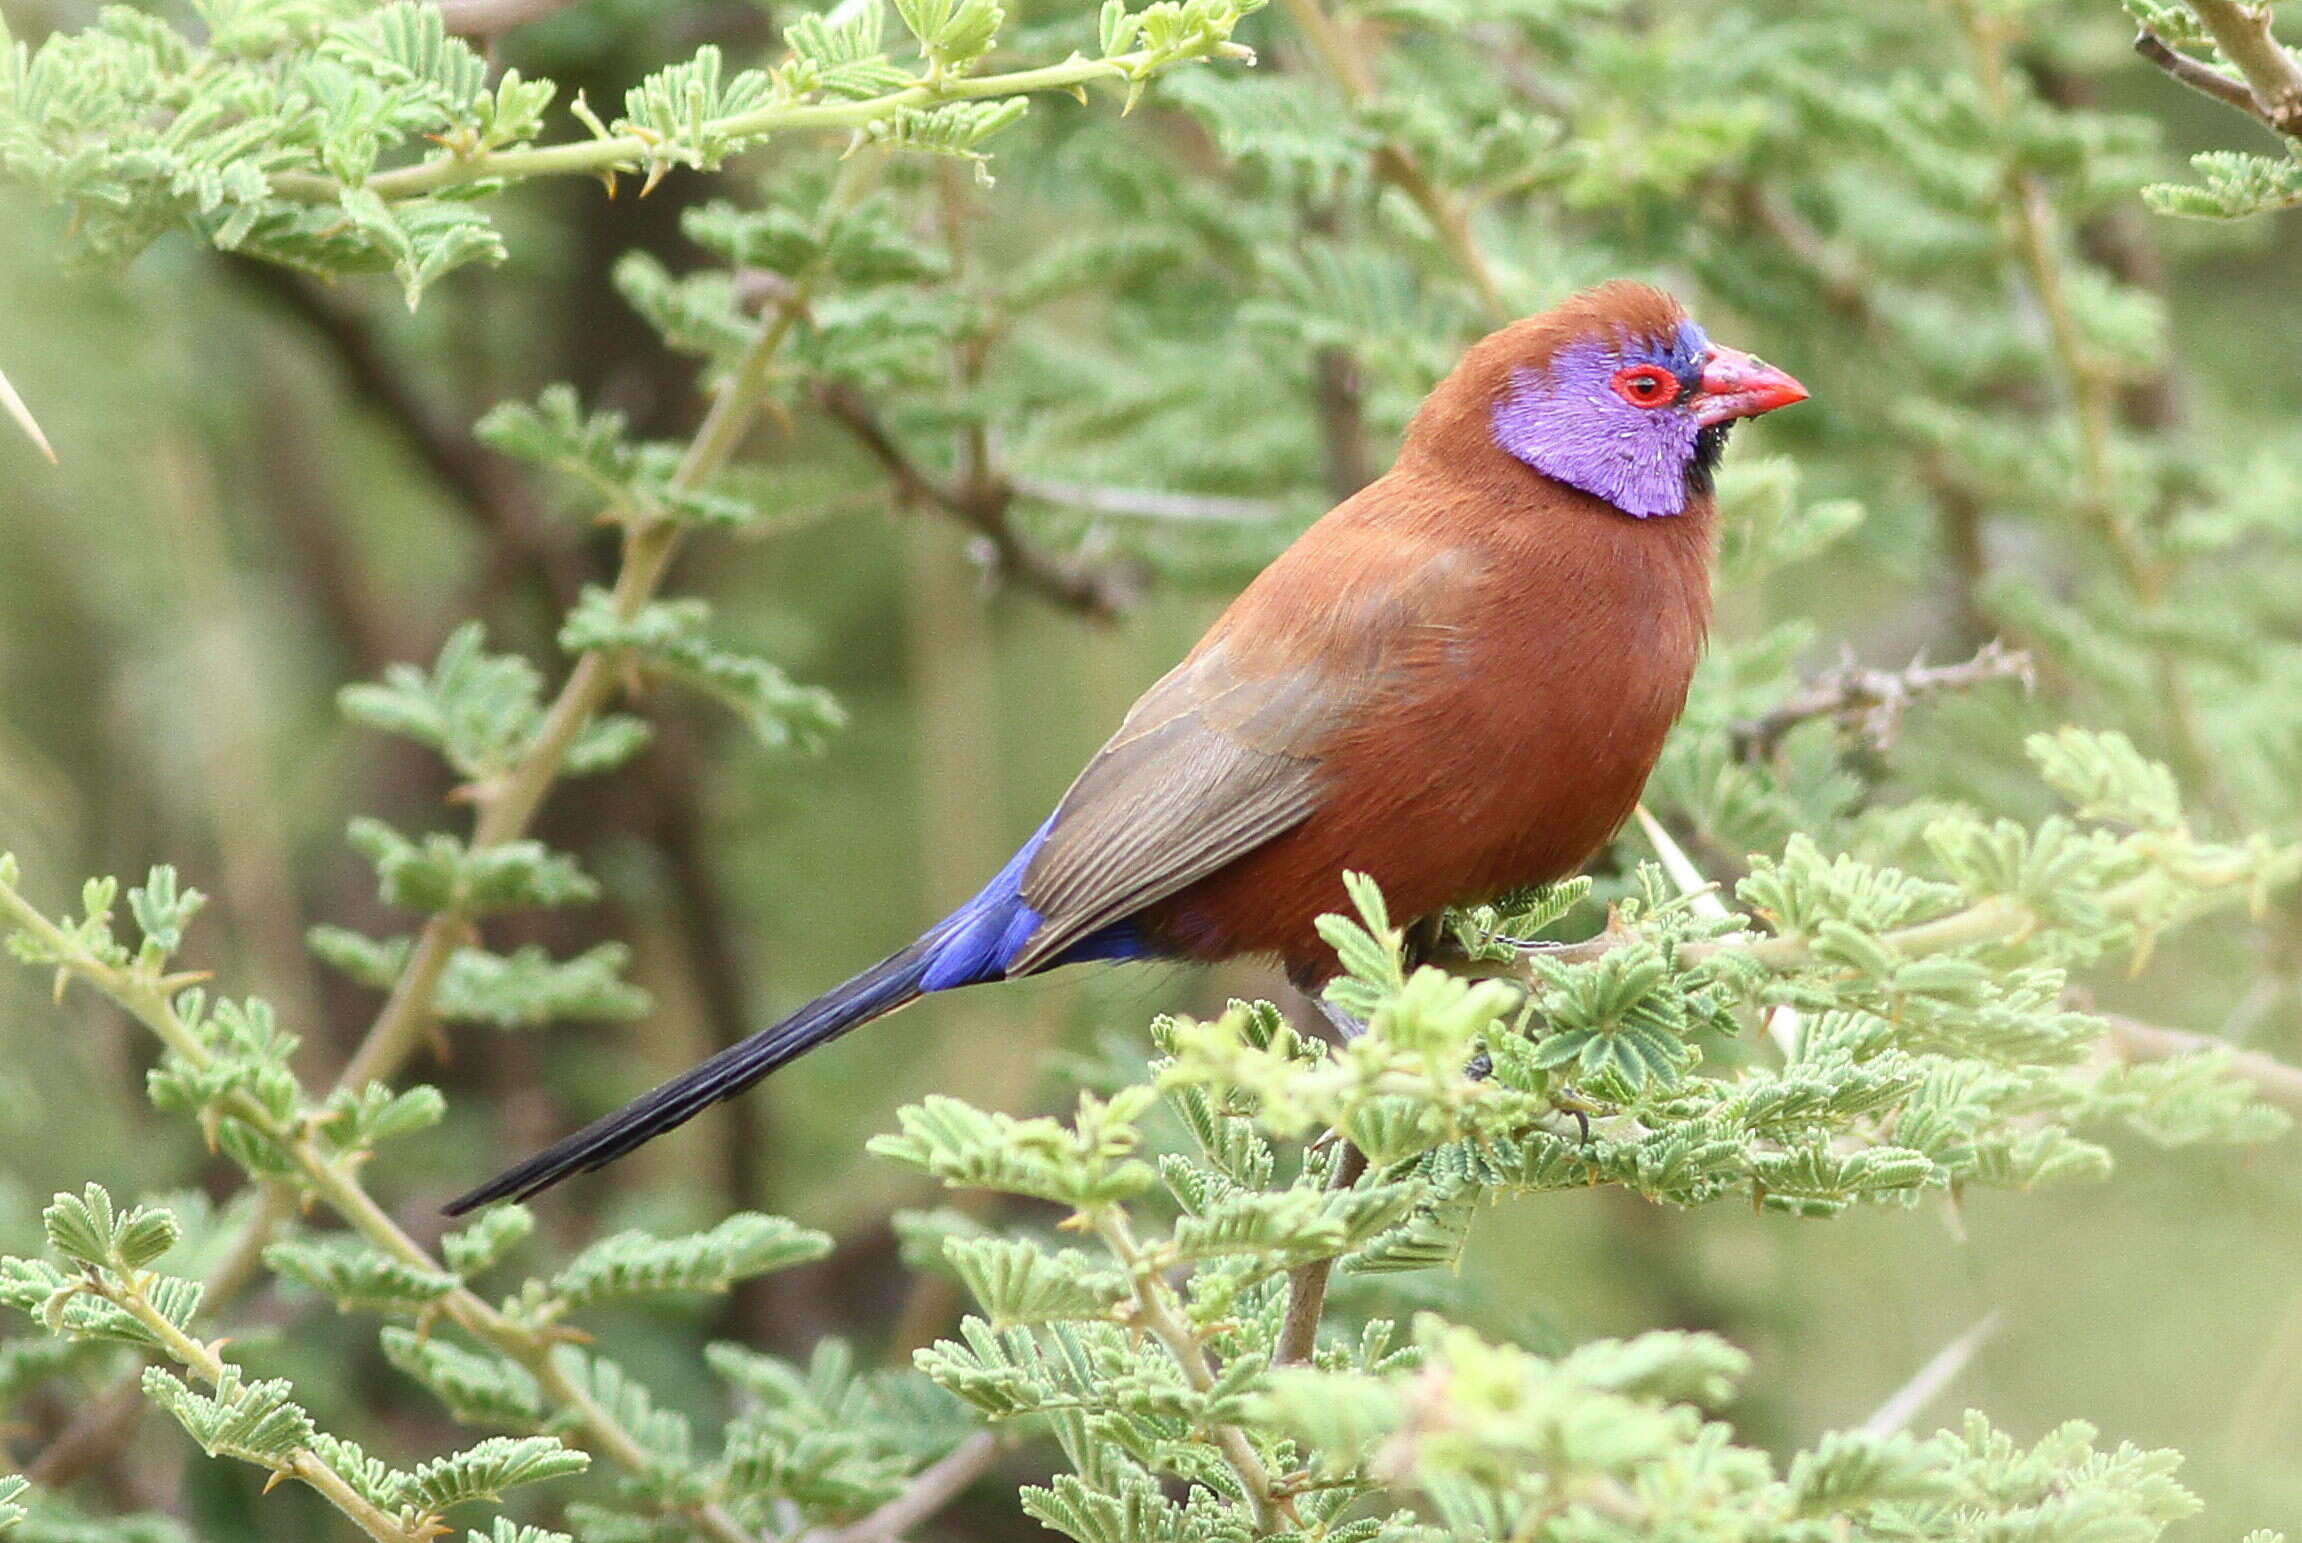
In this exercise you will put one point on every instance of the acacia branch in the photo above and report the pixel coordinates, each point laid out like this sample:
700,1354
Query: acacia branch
333,1179
2273,76
985,505
509,802
2198,75
629,152
203,1361
1149,503
1353,73
2274,1081
1155,1311
1307,1283
1871,702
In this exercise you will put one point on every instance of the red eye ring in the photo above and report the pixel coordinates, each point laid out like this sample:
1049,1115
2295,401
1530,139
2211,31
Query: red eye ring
1646,385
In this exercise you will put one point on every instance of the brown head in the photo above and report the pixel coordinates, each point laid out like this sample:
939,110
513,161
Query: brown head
1613,391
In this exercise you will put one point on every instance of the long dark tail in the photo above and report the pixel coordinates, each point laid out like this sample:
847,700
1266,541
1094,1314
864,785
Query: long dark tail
875,993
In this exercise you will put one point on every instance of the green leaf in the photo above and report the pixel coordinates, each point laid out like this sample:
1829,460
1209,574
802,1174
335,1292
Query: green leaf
442,874
478,1389
258,1422
482,711
519,990
485,1471
358,1277
635,1264
505,1530
971,1148
495,1232
1019,1282
668,637
85,1228
356,1121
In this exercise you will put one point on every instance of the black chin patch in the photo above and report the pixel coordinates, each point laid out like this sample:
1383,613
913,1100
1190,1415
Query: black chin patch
1710,444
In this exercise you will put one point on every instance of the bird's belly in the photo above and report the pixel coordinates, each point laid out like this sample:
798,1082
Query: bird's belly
1458,817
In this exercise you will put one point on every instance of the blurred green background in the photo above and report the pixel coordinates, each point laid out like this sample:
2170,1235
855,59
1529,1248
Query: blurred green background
265,490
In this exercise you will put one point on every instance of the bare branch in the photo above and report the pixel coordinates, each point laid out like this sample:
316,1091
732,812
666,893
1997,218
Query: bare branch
1100,590
1872,702
2273,76
1307,1283
931,1489
2198,75
1149,503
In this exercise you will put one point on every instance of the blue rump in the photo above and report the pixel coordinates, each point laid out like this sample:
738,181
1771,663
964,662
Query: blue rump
975,942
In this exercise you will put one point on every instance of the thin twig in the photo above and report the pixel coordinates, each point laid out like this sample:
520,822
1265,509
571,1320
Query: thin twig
1395,163
1155,1311
598,157
984,505
106,1421
2198,75
2275,1081
509,802
930,1490
203,1361
1149,503
1872,702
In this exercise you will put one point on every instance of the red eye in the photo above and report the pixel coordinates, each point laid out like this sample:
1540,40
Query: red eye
1645,385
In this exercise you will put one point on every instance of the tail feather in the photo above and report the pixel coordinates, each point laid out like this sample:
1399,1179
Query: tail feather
878,991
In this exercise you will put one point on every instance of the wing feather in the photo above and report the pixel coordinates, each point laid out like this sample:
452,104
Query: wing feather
1226,751
1208,765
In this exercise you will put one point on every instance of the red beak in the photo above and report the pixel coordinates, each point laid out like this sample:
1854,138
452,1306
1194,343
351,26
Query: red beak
1739,385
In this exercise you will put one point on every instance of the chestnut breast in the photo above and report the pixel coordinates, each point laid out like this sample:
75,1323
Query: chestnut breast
1527,664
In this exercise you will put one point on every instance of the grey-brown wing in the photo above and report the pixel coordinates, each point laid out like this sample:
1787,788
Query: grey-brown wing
1209,765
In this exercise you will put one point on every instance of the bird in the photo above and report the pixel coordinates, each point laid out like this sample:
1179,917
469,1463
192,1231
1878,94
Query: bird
1455,682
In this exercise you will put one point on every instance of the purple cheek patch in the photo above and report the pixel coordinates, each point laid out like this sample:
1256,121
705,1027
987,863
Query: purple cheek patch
1569,424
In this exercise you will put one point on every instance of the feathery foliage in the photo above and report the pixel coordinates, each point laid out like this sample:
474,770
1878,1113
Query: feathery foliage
1878,981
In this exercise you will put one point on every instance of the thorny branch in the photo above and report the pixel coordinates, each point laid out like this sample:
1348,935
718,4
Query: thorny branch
1871,702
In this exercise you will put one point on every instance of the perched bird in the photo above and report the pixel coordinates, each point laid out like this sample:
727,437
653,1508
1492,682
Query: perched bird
1456,682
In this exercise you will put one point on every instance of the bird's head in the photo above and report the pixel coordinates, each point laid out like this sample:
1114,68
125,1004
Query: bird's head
1616,392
